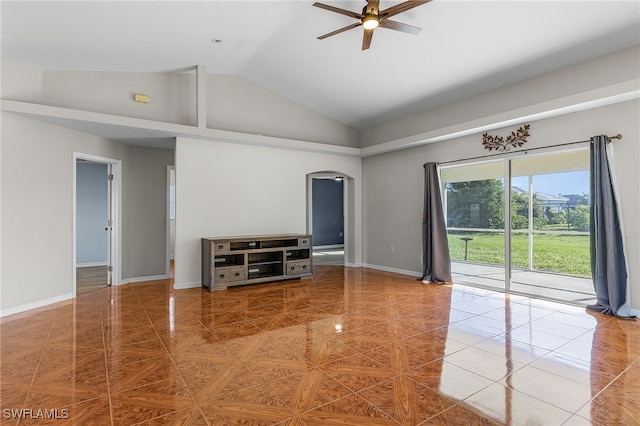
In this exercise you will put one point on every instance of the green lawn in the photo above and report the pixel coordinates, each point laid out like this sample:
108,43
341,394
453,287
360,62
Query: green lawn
565,254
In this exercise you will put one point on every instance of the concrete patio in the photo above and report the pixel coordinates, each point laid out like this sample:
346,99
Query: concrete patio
547,285
575,290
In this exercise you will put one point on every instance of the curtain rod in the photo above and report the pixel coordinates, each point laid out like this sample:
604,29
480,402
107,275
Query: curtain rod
618,136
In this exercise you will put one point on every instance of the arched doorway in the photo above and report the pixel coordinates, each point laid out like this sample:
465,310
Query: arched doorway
330,194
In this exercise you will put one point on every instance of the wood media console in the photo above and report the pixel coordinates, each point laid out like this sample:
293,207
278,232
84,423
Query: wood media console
231,261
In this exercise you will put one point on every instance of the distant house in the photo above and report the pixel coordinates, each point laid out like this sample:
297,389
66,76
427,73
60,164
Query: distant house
574,199
554,202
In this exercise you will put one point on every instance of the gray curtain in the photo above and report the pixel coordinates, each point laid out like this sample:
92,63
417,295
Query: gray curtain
608,264
435,259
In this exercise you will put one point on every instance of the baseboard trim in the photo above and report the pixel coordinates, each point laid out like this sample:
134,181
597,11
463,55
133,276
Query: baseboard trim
143,279
90,264
393,270
185,286
34,305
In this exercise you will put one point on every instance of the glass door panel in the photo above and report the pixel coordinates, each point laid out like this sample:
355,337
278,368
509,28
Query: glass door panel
520,221
474,204
550,226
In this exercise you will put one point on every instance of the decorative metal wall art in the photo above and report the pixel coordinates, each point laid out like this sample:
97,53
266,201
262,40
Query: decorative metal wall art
514,140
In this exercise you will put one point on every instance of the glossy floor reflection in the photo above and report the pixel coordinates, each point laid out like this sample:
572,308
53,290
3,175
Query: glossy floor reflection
350,347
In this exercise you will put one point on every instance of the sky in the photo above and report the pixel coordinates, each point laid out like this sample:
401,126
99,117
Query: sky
557,183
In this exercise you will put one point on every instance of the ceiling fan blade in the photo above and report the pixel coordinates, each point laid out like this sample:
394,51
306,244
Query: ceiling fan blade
402,7
339,10
332,33
366,39
399,26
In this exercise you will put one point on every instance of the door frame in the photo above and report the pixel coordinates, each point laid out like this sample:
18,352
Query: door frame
115,212
170,168
347,213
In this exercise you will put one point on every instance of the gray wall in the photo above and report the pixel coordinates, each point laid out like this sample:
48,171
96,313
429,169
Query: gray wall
328,212
239,105
37,209
92,204
112,93
393,184
144,211
534,94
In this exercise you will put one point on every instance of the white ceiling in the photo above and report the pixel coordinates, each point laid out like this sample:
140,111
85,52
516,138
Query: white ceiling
464,48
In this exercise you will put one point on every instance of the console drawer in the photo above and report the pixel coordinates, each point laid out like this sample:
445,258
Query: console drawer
226,275
298,268
221,247
304,242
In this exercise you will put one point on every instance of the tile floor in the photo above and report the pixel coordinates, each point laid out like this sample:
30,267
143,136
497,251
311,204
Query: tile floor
351,346
328,256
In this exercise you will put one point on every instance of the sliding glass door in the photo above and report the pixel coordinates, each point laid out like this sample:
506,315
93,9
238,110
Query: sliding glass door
544,250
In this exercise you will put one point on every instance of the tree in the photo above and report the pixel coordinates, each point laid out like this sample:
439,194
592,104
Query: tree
480,204
476,204
579,218
583,200
519,210
555,217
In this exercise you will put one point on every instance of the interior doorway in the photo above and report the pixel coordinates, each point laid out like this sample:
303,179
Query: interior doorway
95,212
327,213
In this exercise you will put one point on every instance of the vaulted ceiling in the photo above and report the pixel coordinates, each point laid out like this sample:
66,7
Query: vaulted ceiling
465,47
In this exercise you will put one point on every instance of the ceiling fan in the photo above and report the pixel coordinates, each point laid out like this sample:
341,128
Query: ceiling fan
372,17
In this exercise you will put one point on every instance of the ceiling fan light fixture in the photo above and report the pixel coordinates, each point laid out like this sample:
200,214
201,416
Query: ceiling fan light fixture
370,22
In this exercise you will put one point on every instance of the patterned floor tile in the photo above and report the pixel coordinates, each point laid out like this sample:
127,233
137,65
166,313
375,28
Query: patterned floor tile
352,346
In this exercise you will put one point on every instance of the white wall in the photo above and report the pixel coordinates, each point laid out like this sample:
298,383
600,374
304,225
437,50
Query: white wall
233,103
37,209
393,184
92,205
226,189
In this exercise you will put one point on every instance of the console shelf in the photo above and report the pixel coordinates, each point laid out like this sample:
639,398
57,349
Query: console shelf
231,261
